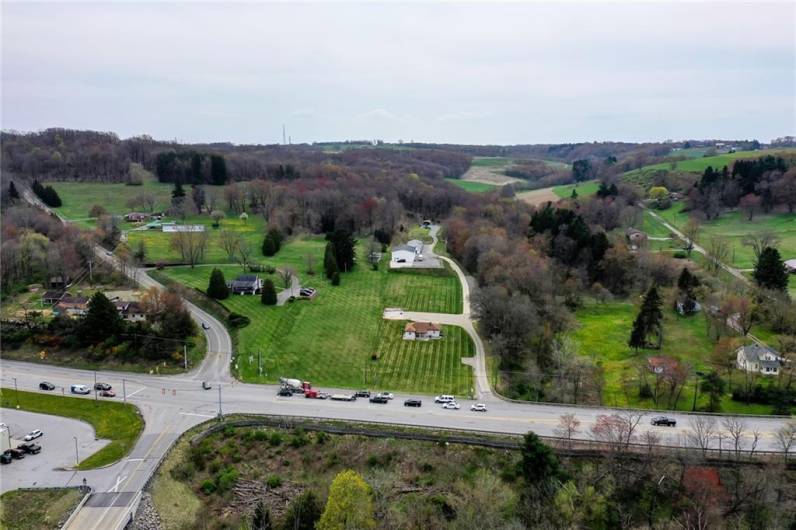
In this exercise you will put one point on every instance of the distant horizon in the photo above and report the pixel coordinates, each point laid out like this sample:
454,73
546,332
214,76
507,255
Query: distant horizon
459,73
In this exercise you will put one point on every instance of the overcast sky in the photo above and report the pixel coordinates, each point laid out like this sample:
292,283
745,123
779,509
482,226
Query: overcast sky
460,73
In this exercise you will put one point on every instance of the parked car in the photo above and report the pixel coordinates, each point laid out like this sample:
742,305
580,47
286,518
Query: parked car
5,458
663,421
478,407
306,292
16,454
413,403
206,385
444,398
378,398
108,393
362,393
284,392
32,435
30,448
102,386
46,385
80,389
451,405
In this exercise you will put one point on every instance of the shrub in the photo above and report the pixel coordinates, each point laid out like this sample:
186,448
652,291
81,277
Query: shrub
237,320
273,481
680,254
259,435
208,487
226,479
645,391
184,471
320,437
275,439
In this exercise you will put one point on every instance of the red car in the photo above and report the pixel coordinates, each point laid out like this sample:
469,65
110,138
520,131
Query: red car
108,393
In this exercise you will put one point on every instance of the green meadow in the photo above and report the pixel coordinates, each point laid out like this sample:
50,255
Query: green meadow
473,187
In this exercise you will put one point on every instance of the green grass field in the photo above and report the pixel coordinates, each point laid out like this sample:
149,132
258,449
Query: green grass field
37,509
118,422
584,189
473,187
603,334
330,339
490,161
698,165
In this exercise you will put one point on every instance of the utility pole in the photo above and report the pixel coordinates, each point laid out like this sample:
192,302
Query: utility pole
124,391
96,394
259,363
185,355
220,413
16,391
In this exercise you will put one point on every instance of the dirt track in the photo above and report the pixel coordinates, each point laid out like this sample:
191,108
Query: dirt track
537,197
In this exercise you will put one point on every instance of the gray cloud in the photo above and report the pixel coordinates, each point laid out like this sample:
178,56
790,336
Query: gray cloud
497,73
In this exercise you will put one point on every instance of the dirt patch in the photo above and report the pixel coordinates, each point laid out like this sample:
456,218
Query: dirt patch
538,197
488,175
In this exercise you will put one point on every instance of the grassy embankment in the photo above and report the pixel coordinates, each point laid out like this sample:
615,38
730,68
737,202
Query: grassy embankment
118,422
603,333
37,509
331,339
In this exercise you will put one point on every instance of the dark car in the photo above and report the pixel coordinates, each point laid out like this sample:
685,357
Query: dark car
46,385
378,398
16,454
30,448
102,386
362,393
412,403
663,421
5,458
285,392
108,393
206,385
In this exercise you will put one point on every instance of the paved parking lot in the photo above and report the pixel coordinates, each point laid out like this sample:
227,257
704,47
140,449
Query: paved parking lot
57,448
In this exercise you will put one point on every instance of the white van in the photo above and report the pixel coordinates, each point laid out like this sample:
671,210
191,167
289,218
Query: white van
444,398
80,389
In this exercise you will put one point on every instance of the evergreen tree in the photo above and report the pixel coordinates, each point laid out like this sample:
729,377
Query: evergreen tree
272,242
177,193
770,270
349,505
217,288
177,324
648,321
687,281
303,513
218,170
336,278
261,520
102,320
13,194
344,248
637,337
714,386
574,194
330,261
268,295
538,465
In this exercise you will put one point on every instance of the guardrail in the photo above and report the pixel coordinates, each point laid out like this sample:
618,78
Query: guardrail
89,490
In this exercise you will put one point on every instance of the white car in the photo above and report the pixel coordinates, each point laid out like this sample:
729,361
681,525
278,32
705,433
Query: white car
451,405
478,407
388,395
444,398
32,435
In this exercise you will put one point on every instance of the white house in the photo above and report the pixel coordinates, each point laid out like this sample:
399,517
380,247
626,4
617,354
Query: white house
422,331
756,358
403,256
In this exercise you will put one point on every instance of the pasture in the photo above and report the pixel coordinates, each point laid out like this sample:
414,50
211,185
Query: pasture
584,189
331,339
603,333
472,186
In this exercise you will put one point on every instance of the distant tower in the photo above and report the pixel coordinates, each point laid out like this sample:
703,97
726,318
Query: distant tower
284,140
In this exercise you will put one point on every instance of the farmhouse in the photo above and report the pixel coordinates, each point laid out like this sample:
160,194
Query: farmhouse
403,256
757,358
246,284
790,266
71,306
136,217
52,297
422,331
130,311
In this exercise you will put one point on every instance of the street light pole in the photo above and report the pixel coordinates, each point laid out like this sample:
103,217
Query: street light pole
220,413
77,457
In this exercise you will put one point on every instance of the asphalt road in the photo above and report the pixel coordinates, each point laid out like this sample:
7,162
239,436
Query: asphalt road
172,404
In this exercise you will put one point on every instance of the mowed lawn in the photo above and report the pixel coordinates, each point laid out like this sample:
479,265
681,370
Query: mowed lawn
603,333
584,189
330,340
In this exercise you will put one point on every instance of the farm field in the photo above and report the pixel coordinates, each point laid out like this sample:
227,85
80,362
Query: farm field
603,334
330,339
584,189
698,165
118,422
472,186
486,170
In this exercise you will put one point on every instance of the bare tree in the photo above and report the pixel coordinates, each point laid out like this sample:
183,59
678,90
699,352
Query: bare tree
691,233
230,241
287,275
702,431
735,430
651,439
786,437
760,240
244,253
718,250
191,245
567,427
309,259
618,429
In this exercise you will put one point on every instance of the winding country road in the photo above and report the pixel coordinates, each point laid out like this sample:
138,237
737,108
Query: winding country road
170,405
